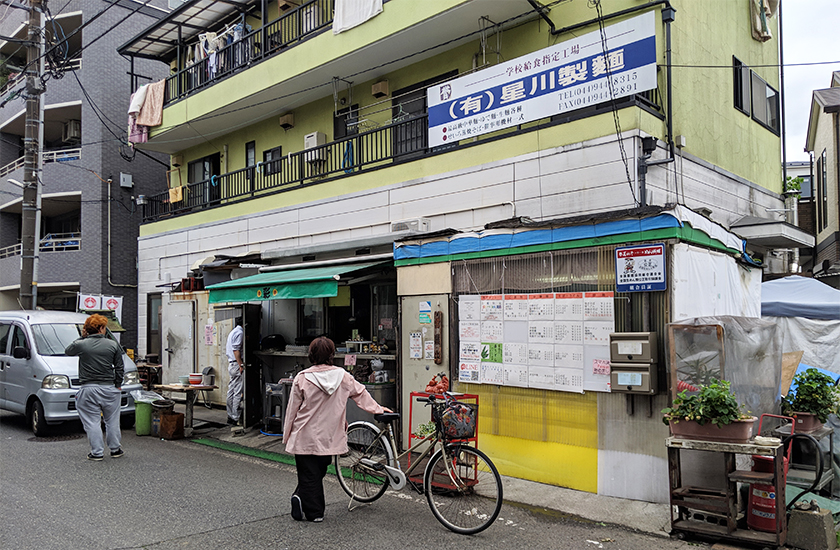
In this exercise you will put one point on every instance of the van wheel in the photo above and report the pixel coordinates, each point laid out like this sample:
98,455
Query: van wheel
127,421
37,420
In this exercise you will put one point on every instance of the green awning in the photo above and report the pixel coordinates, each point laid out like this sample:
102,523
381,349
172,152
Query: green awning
313,282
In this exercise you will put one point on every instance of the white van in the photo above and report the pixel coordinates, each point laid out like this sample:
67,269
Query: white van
37,379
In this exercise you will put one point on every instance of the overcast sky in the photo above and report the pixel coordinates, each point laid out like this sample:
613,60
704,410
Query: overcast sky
811,34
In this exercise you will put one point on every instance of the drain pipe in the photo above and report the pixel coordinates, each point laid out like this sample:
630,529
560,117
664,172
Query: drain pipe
668,16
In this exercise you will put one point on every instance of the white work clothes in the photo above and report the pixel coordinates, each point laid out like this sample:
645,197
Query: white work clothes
235,384
234,342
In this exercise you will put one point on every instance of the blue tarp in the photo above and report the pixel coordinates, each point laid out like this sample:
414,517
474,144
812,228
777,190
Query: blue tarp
797,296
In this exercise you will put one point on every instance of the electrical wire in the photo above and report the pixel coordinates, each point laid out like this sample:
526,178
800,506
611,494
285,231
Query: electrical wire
614,108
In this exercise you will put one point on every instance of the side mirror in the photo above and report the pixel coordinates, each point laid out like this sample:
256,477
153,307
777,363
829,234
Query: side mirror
20,352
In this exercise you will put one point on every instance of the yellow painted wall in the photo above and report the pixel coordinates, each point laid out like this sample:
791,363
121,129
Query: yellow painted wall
545,436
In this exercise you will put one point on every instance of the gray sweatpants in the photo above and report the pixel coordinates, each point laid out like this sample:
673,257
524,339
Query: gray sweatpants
234,394
91,399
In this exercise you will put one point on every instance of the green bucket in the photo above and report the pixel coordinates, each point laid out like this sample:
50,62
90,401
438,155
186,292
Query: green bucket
142,418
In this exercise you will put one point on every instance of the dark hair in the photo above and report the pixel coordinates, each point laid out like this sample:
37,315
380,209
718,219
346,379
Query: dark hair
237,322
321,351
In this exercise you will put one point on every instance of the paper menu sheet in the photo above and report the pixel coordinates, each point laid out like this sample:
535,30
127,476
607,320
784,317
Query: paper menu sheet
516,307
598,306
568,306
492,373
469,307
492,307
540,307
469,331
492,331
516,375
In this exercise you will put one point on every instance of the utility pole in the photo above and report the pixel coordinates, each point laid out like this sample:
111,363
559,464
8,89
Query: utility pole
32,158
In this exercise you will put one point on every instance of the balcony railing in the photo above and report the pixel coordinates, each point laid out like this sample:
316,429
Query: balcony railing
59,242
290,28
72,65
9,251
52,242
403,140
400,141
60,155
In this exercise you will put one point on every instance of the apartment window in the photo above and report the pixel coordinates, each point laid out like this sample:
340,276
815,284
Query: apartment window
203,170
741,85
271,161
806,188
250,158
821,194
765,104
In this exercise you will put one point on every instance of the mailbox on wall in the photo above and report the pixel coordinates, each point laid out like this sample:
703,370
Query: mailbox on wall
633,362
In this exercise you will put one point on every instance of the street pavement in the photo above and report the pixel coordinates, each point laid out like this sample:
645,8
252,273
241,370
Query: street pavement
185,495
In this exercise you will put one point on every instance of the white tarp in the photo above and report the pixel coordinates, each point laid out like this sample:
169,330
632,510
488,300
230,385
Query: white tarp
352,13
705,283
819,340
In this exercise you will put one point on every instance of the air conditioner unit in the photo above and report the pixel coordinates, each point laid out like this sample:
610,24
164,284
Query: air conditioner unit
417,225
313,140
72,131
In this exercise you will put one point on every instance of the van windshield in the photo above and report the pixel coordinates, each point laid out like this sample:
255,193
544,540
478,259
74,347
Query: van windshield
53,339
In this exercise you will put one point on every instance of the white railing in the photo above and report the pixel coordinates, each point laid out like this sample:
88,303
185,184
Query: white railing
52,242
9,251
72,65
62,155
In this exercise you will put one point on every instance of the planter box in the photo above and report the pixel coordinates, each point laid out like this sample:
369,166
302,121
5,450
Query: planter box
806,423
739,431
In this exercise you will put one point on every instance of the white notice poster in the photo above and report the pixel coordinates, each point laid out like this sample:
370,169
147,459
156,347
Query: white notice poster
568,332
468,371
540,332
491,307
541,377
469,307
516,375
516,307
568,379
470,351
540,307
515,353
541,355
597,333
569,357
492,331
568,305
469,331
598,306
415,345
492,373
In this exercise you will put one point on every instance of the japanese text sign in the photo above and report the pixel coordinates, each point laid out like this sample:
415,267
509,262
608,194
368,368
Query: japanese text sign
640,268
564,77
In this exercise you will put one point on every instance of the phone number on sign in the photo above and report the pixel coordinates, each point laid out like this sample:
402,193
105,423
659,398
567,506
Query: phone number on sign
597,92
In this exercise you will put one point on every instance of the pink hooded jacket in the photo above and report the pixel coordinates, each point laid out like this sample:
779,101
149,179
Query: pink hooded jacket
315,416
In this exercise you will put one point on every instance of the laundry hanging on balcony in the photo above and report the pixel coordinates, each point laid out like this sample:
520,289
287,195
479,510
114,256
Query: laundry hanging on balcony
137,134
151,114
351,13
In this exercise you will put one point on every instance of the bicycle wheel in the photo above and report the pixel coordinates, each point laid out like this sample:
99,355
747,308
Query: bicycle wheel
362,482
467,496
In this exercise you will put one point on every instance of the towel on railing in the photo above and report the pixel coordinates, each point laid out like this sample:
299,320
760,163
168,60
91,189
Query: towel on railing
152,112
176,194
137,100
351,13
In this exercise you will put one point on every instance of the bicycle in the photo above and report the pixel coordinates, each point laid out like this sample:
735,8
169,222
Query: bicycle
461,484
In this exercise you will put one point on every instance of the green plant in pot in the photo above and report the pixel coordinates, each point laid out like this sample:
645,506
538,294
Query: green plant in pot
815,394
711,413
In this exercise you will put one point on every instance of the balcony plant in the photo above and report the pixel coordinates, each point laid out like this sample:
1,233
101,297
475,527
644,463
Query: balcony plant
815,397
712,414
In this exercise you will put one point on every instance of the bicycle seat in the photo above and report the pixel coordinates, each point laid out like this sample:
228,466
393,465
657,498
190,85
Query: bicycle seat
386,417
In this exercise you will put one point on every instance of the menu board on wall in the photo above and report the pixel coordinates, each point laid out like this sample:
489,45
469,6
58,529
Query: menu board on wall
557,341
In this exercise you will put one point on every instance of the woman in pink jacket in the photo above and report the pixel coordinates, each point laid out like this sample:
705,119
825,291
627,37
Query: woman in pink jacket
316,427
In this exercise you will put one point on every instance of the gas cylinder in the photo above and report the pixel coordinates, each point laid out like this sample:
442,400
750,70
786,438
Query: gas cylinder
761,505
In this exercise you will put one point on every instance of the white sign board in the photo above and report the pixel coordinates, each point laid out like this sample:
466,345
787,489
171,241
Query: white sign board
567,76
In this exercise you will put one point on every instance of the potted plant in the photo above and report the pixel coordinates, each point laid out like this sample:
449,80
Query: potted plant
711,414
815,397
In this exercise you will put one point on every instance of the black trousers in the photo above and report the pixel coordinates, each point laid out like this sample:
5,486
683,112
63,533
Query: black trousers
311,470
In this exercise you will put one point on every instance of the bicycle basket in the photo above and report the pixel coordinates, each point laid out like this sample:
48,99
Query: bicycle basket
458,420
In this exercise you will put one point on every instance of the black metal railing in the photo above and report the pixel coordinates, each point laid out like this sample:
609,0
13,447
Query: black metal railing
290,28
384,145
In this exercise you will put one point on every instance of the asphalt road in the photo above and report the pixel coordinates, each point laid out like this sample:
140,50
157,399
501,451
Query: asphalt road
181,495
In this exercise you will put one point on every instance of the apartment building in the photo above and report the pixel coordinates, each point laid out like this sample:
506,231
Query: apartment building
390,174
89,220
